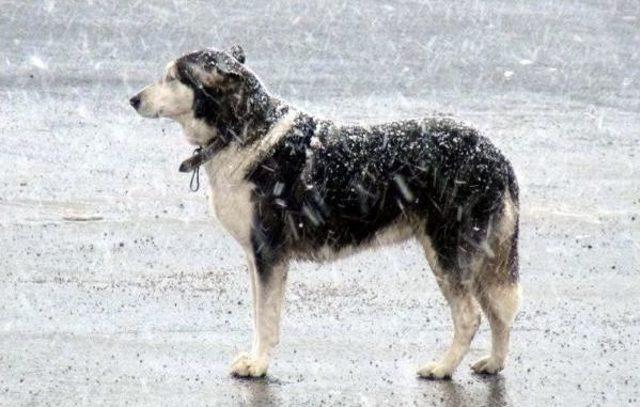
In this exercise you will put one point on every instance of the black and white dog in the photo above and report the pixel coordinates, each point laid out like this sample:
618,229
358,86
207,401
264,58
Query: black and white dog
287,185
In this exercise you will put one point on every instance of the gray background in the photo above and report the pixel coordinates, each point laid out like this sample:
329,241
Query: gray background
116,287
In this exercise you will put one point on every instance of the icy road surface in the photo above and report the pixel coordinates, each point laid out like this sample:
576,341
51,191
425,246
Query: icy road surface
117,288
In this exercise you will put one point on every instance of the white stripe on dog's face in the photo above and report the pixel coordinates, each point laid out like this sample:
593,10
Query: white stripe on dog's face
166,98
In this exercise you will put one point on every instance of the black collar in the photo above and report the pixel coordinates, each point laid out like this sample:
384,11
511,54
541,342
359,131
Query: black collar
202,154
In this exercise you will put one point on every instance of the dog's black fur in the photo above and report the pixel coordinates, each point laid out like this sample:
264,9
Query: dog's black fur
436,174
321,189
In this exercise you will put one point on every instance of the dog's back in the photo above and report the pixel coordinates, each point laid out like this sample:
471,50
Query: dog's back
333,187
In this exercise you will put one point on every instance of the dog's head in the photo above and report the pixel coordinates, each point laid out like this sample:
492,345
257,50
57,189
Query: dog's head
204,91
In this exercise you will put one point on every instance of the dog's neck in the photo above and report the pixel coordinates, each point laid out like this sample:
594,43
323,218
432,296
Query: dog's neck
243,132
240,129
247,129
197,131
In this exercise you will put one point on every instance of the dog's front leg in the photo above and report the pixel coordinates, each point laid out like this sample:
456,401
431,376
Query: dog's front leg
268,283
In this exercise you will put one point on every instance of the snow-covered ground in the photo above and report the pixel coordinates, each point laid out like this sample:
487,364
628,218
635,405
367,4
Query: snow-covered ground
117,288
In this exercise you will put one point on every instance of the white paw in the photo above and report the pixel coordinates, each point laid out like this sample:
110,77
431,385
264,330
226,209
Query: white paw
488,365
247,365
435,370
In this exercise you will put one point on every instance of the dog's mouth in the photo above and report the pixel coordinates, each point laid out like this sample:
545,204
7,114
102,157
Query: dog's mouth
146,114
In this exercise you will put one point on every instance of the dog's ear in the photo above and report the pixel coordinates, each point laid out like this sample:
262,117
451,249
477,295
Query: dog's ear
237,52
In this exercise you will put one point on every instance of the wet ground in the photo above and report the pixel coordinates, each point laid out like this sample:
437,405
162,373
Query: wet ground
117,288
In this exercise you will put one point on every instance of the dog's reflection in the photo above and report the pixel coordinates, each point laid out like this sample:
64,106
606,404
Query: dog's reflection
259,391
452,393
497,392
455,395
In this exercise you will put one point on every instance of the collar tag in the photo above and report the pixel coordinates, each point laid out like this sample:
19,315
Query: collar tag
200,156
195,175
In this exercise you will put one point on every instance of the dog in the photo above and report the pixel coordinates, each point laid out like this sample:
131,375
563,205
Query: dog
290,186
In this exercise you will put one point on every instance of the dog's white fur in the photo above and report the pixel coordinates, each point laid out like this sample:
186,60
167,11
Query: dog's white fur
230,199
172,99
230,192
166,98
196,131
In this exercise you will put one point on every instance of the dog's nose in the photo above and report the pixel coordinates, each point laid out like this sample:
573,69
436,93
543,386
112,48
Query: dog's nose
135,101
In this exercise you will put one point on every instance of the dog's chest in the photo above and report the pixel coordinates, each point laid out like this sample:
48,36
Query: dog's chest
230,192
230,195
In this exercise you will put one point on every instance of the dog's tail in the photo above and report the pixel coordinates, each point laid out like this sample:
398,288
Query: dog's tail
514,192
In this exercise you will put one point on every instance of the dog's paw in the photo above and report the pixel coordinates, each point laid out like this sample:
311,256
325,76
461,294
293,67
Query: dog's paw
488,365
247,365
435,371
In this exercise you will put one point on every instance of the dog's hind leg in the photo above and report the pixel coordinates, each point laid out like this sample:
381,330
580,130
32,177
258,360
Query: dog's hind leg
465,314
269,281
497,290
500,304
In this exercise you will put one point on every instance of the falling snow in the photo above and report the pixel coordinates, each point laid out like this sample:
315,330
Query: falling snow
117,288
